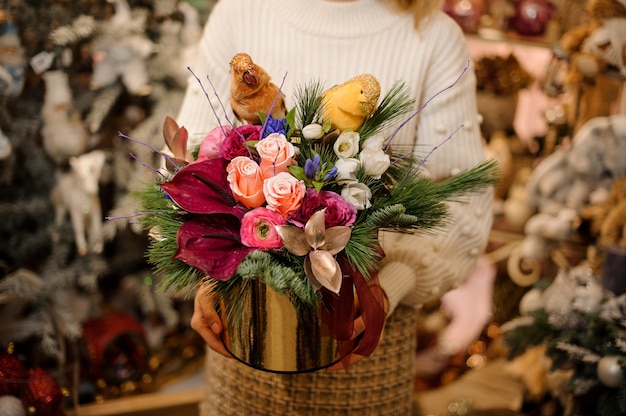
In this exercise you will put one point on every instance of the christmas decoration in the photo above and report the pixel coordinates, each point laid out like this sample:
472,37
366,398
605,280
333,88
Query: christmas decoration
11,406
610,371
580,329
47,291
12,372
532,16
42,394
116,347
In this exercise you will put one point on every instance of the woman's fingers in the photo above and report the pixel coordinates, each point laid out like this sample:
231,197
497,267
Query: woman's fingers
206,322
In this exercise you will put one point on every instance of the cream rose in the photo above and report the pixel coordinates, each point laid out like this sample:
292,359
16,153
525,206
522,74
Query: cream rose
246,181
358,194
346,170
284,193
375,162
276,153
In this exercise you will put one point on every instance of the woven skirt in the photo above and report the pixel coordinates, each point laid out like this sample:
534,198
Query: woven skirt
378,385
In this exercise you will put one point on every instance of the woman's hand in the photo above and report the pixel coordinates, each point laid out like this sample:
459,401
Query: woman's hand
206,322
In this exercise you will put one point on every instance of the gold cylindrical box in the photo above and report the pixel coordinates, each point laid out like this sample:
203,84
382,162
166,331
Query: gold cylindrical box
268,332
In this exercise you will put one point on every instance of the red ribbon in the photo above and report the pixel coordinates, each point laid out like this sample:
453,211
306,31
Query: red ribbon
341,313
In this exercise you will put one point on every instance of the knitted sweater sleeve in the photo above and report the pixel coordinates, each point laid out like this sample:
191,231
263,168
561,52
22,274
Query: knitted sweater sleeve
419,267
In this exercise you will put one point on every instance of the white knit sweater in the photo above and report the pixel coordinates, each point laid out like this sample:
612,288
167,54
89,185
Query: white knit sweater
299,41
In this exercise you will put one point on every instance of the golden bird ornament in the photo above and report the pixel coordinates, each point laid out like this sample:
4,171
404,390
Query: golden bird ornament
347,106
251,91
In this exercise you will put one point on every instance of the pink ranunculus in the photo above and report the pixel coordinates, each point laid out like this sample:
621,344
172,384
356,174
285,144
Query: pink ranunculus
212,142
338,210
258,228
246,181
284,193
276,153
235,142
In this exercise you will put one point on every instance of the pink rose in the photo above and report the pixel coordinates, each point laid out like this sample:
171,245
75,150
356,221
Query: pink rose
276,154
338,210
246,181
258,228
283,193
212,142
235,142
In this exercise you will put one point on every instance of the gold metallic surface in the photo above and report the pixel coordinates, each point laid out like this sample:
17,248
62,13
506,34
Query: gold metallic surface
272,335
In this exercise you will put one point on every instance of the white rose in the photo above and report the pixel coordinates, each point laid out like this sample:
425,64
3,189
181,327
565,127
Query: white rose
312,131
346,170
375,162
347,144
358,194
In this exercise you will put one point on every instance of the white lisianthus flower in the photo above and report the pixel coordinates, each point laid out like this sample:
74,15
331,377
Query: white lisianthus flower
347,144
312,131
375,162
358,194
346,170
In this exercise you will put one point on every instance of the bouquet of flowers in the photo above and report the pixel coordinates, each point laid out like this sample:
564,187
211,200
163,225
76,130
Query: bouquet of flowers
292,206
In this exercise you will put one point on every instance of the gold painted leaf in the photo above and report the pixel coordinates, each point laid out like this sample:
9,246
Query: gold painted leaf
337,238
309,274
293,239
315,230
326,270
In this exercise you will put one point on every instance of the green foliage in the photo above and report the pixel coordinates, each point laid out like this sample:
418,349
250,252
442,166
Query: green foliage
396,103
163,220
308,101
282,278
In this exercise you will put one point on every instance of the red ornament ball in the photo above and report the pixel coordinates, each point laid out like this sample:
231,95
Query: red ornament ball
12,374
42,394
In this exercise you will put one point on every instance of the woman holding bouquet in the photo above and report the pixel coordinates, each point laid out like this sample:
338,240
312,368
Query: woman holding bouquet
332,41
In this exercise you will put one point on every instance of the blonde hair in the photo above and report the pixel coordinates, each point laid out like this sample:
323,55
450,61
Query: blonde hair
420,9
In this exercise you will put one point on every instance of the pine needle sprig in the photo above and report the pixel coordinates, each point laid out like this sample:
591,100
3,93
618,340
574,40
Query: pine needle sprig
396,103
384,216
363,252
281,278
478,178
308,101
163,221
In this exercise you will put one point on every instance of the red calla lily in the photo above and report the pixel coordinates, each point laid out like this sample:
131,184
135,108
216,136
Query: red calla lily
211,244
202,188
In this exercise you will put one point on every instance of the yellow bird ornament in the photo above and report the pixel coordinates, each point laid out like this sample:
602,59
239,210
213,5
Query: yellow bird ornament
347,106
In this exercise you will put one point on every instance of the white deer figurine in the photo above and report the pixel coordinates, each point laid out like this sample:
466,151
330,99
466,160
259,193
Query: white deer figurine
77,193
63,132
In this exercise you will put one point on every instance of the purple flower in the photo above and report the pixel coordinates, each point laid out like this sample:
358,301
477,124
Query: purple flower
312,167
338,210
330,175
275,125
235,142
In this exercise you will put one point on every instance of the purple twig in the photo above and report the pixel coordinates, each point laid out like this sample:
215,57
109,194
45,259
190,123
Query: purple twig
135,215
423,161
146,165
278,94
149,146
206,94
419,110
